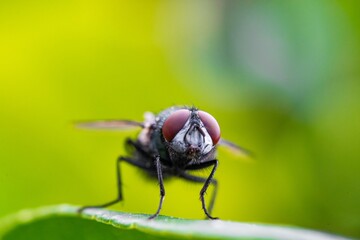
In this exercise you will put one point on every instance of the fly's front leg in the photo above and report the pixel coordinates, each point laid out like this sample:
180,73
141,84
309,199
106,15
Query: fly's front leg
161,184
198,179
202,165
119,183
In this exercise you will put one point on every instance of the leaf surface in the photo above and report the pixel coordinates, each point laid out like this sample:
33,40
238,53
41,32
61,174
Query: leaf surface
63,222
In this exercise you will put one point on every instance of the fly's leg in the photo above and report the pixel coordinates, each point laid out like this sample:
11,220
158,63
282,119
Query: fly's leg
197,179
119,184
158,168
202,165
161,184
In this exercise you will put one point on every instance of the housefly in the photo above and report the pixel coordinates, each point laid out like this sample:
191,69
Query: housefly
173,143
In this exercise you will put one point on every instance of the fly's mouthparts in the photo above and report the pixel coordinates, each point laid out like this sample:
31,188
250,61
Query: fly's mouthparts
193,149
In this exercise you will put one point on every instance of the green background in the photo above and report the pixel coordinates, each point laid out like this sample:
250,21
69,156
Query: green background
281,78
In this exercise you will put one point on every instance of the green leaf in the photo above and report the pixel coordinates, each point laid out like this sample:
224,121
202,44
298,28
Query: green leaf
63,222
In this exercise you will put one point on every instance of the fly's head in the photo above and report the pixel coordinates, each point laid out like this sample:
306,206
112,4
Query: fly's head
190,134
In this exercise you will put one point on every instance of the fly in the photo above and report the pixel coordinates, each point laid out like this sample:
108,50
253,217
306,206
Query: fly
173,143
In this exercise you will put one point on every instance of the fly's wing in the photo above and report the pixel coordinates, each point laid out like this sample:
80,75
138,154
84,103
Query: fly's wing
109,124
236,149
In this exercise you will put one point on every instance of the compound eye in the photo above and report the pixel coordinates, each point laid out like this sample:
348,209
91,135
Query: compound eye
174,123
211,126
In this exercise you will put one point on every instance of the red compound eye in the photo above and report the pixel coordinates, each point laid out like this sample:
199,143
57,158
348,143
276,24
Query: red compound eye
174,123
211,126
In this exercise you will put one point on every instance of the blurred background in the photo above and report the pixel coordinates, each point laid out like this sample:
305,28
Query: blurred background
281,77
